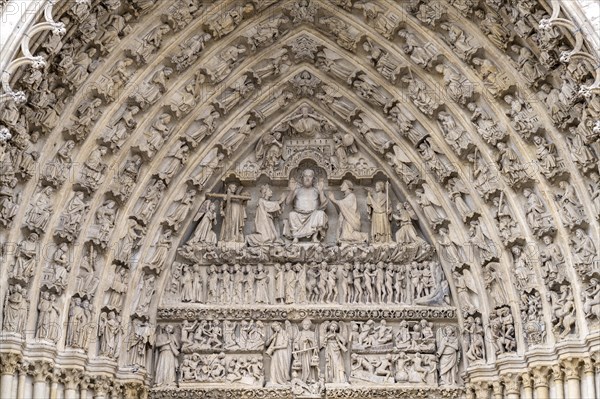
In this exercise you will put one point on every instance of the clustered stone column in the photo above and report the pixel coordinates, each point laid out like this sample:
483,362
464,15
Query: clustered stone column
572,378
47,381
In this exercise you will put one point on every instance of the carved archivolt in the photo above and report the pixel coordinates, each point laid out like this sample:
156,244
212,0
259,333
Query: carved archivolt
299,198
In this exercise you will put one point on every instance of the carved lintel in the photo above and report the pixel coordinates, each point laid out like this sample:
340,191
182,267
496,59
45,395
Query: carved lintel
299,314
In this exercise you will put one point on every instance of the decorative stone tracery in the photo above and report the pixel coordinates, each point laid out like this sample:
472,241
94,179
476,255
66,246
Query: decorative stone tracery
225,185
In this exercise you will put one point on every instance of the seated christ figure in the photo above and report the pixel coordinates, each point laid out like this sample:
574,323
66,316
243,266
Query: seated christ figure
308,218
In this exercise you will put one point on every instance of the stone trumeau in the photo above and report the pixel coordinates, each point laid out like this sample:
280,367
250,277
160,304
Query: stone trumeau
299,199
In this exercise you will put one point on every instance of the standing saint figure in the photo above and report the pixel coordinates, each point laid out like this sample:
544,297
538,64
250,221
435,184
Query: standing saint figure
233,211
167,363
335,345
448,354
379,205
266,232
349,220
306,352
278,348
308,218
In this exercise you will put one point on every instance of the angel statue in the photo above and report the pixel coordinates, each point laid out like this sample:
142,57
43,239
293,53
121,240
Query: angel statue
448,354
278,349
467,289
204,233
333,336
266,232
306,353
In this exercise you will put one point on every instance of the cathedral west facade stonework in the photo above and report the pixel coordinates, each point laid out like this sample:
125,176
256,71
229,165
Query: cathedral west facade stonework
299,199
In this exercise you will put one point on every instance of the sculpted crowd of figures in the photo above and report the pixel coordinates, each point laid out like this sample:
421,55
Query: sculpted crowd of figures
312,283
456,169
307,219
306,356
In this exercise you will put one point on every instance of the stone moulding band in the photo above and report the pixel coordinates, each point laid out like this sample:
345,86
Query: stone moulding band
298,314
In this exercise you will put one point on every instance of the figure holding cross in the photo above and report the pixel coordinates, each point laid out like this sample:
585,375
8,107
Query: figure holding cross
233,211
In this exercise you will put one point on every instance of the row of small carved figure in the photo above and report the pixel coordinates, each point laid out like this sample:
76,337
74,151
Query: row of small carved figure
307,283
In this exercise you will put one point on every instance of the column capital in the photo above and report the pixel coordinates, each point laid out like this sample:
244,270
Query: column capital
526,380
41,371
557,372
482,389
102,385
589,365
9,363
71,378
85,382
497,387
571,367
133,390
540,376
511,383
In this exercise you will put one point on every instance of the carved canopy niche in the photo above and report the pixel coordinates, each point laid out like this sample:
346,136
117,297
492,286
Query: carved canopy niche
303,199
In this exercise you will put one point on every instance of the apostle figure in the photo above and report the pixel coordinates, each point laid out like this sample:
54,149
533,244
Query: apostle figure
308,218
233,211
349,220
278,350
266,232
379,205
448,354
168,352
